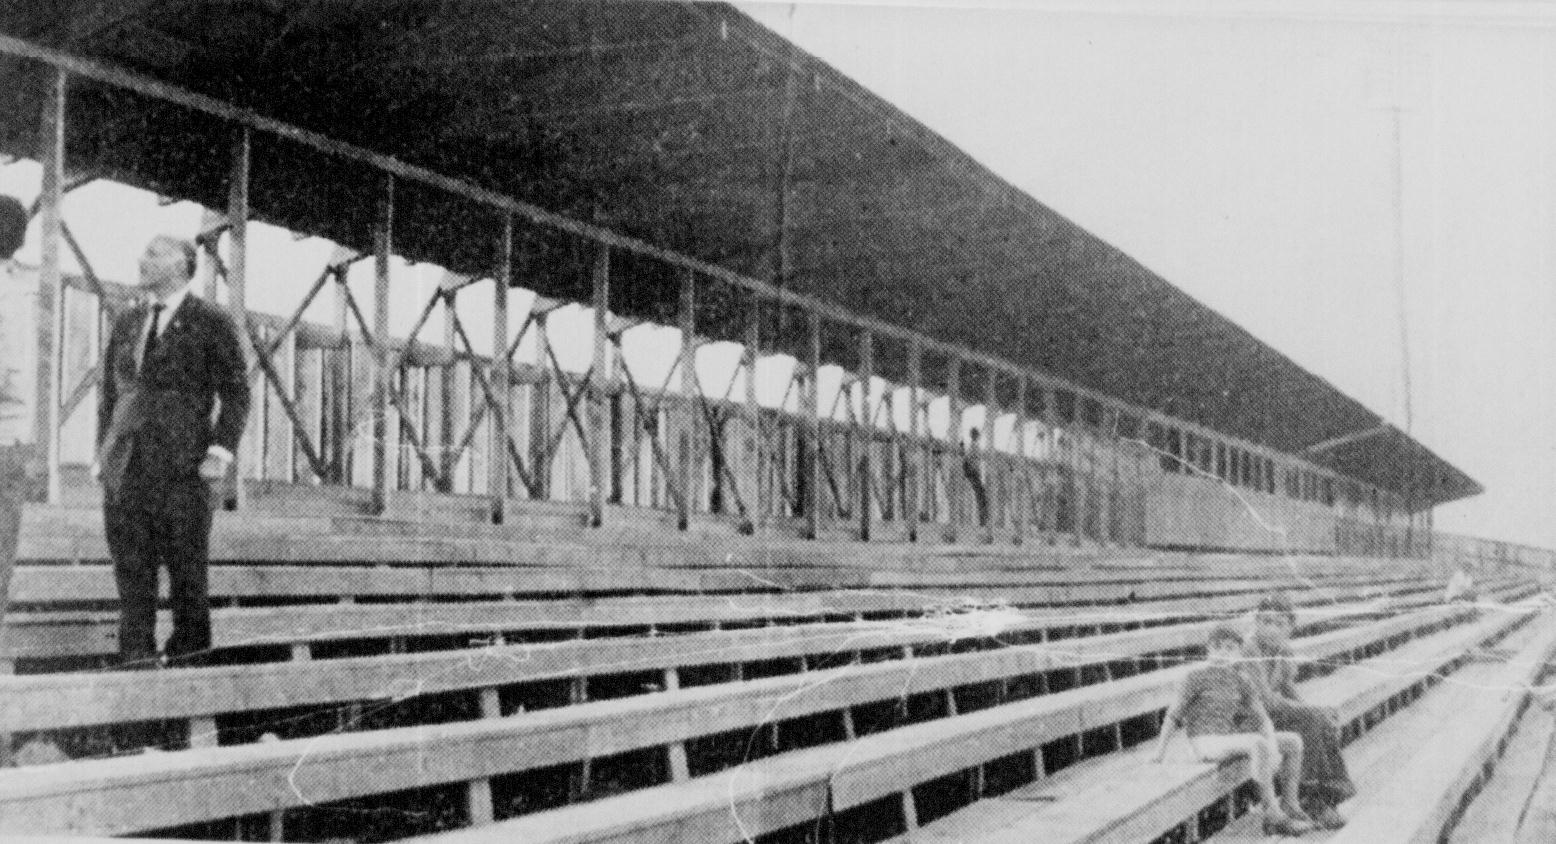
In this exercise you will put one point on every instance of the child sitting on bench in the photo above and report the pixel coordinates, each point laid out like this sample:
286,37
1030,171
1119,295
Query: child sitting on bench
1214,705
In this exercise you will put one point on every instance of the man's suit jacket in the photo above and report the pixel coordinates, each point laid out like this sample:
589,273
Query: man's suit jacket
164,409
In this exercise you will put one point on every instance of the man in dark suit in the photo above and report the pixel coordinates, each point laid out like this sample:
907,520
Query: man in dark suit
173,363
19,469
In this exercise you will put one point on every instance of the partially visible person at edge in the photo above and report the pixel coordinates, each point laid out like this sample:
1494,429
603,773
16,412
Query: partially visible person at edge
1271,665
169,360
19,468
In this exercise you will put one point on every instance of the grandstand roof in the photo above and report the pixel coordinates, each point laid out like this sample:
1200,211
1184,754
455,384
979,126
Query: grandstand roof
693,128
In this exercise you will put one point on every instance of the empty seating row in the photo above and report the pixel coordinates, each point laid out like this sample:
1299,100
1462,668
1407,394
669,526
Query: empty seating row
125,795
33,631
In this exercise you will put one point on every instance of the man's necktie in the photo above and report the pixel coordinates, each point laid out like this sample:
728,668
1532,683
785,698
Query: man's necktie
151,336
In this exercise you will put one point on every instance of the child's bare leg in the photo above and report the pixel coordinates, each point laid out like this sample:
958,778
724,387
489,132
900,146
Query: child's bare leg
1290,750
1262,759
1262,762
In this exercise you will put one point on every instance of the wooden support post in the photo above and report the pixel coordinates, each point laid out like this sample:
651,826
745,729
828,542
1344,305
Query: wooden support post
50,387
540,408
956,483
478,795
237,276
989,461
301,652
491,702
448,414
599,415
680,769
812,467
1063,504
758,454
383,232
685,438
866,428
913,503
850,732
502,373
1020,493
909,810
277,831
202,732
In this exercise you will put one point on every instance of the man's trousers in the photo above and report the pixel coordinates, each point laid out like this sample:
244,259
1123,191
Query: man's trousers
151,526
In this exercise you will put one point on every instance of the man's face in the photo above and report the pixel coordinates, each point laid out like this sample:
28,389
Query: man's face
1223,652
1273,627
163,267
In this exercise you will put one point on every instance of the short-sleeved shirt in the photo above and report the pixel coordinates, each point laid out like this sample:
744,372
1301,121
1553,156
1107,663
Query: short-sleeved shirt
1216,700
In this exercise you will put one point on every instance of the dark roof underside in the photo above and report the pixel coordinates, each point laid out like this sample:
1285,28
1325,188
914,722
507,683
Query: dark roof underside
688,126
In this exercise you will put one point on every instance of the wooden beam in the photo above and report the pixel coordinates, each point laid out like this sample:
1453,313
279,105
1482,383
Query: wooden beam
753,408
685,429
502,372
51,294
866,427
237,276
956,482
383,232
599,390
915,468
811,470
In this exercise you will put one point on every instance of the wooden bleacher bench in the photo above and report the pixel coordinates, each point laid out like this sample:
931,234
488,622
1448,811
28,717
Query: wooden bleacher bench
32,634
771,794
1418,793
1127,798
151,792
201,695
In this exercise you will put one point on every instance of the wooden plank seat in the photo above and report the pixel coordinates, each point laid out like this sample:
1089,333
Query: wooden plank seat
1423,793
1415,769
799,788
1124,797
74,534
44,585
200,695
54,634
150,792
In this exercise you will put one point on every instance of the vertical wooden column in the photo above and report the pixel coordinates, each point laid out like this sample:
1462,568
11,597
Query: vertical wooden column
237,286
383,224
866,431
599,391
50,386
1020,467
956,482
448,415
540,408
758,471
1051,421
990,462
684,439
913,505
501,374
812,467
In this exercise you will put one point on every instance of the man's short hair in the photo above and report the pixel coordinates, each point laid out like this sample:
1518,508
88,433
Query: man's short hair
1224,633
13,226
191,252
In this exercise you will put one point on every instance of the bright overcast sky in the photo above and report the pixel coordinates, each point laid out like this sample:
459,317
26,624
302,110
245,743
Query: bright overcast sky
1246,151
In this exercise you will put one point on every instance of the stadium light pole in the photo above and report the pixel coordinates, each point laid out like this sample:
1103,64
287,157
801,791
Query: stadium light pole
1392,92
